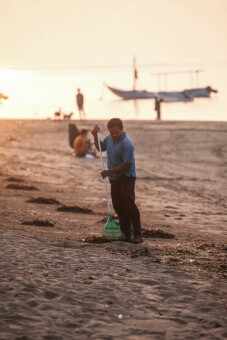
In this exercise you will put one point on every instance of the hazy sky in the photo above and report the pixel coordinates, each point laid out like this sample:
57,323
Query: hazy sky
71,33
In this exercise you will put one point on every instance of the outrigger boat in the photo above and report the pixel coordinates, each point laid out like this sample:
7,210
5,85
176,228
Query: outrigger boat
168,96
201,92
174,96
187,95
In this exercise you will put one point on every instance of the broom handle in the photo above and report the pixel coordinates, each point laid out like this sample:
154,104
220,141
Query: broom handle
100,150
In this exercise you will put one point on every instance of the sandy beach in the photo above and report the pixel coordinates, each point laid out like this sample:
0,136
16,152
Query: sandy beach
60,280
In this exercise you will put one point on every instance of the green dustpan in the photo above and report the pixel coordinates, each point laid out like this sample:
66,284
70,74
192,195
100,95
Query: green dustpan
112,230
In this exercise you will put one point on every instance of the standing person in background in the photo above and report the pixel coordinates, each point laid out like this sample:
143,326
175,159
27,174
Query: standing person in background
135,74
80,104
122,176
158,107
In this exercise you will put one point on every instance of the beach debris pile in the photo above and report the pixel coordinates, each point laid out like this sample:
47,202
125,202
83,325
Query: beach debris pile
210,260
38,223
145,252
155,233
43,200
206,259
21,187
74,209
15,179
96,240
203,259
147,233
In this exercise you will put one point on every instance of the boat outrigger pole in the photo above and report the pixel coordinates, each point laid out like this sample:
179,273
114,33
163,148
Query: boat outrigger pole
165,74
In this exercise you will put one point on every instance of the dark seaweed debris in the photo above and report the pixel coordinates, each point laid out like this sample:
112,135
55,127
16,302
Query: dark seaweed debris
74,209
141,252
15,179
21,187
38,223
43,200
206,259
156,233
96,240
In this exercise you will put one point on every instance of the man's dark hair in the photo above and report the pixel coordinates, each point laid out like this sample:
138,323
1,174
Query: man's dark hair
83,131
115,122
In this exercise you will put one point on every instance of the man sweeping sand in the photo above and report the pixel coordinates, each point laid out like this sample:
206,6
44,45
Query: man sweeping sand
122,175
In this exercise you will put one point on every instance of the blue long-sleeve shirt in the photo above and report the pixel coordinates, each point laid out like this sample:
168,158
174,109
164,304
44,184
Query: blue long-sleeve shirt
119,152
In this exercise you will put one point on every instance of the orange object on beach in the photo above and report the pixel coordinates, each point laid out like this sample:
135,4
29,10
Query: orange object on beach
79,145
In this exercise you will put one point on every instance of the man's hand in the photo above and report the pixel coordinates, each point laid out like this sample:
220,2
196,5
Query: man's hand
95,130
117,169
106,173
94,133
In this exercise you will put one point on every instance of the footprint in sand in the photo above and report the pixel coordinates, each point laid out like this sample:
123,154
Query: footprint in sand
50,295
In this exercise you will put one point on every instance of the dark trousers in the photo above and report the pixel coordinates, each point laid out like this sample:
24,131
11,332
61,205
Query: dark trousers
123,198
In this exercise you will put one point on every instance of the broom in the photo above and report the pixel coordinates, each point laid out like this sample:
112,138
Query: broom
111,229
